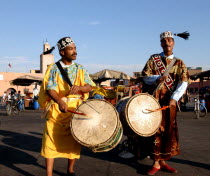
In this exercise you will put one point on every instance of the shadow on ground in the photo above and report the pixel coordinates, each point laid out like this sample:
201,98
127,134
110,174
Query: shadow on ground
15,149
12,154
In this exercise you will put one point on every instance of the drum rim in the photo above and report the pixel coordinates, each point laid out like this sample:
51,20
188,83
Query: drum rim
114,133
128,121
103,148
124,98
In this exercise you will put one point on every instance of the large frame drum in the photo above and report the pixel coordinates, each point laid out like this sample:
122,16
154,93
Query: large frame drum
135,117
101,129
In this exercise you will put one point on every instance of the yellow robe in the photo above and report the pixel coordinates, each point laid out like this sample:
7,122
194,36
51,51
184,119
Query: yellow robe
57,141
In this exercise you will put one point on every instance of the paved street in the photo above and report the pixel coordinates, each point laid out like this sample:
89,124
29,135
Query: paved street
20,142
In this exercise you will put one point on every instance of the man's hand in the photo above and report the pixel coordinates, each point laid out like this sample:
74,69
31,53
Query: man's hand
172,103
80,89
62,106
54,95
75,89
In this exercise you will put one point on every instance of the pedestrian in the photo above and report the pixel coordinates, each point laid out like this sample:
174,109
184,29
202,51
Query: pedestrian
170,90
35,93
58,96
20,100
4,96
9,97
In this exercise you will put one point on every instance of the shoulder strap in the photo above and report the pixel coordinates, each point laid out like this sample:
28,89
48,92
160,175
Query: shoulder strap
63,73
160,65
166,73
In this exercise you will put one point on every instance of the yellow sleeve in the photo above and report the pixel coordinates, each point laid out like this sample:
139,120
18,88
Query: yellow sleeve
43,97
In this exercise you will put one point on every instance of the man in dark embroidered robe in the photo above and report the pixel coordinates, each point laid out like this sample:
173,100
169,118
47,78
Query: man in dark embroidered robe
174,85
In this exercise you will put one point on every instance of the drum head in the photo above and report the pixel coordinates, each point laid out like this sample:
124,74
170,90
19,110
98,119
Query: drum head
141,121
98,126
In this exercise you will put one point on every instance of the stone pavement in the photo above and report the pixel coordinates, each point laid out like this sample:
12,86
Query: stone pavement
20,142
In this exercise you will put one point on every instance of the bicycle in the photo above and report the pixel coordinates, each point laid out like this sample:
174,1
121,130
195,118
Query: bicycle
199,109
12,107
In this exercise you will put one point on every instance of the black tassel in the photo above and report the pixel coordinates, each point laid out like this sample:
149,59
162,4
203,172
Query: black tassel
49,51
185,35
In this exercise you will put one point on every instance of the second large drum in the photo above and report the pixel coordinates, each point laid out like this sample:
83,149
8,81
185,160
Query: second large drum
135,117
100,128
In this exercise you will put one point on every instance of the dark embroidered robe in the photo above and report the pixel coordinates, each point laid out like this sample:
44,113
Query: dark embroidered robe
166,143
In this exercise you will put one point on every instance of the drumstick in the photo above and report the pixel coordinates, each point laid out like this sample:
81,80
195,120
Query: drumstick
160,109
79,113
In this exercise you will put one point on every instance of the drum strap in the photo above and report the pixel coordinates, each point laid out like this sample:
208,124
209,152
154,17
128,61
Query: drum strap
66,78
63,73
164,72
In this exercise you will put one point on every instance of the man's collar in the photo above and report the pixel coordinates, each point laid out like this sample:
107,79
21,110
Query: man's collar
64,65
170,57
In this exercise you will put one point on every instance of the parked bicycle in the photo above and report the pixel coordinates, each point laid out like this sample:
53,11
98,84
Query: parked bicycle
12,106
199,109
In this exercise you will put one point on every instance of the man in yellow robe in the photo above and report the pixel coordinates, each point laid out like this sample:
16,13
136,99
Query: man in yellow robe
57,97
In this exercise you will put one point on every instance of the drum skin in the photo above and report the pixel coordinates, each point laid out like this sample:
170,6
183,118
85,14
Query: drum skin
135,117
101,129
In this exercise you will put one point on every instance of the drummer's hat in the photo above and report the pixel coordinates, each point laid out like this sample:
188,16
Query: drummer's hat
61,44
185,35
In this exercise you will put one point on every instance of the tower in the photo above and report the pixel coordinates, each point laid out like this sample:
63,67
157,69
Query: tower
46,47
47,59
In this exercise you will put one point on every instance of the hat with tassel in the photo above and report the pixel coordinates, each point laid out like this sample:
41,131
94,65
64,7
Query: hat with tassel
62,43
185,35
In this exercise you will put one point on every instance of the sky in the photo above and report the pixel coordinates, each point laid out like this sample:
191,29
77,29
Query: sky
114,34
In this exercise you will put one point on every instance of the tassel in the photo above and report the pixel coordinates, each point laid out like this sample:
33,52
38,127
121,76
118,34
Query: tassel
185,35
49,51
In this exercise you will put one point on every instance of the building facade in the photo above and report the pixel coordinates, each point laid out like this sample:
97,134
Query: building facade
7,77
